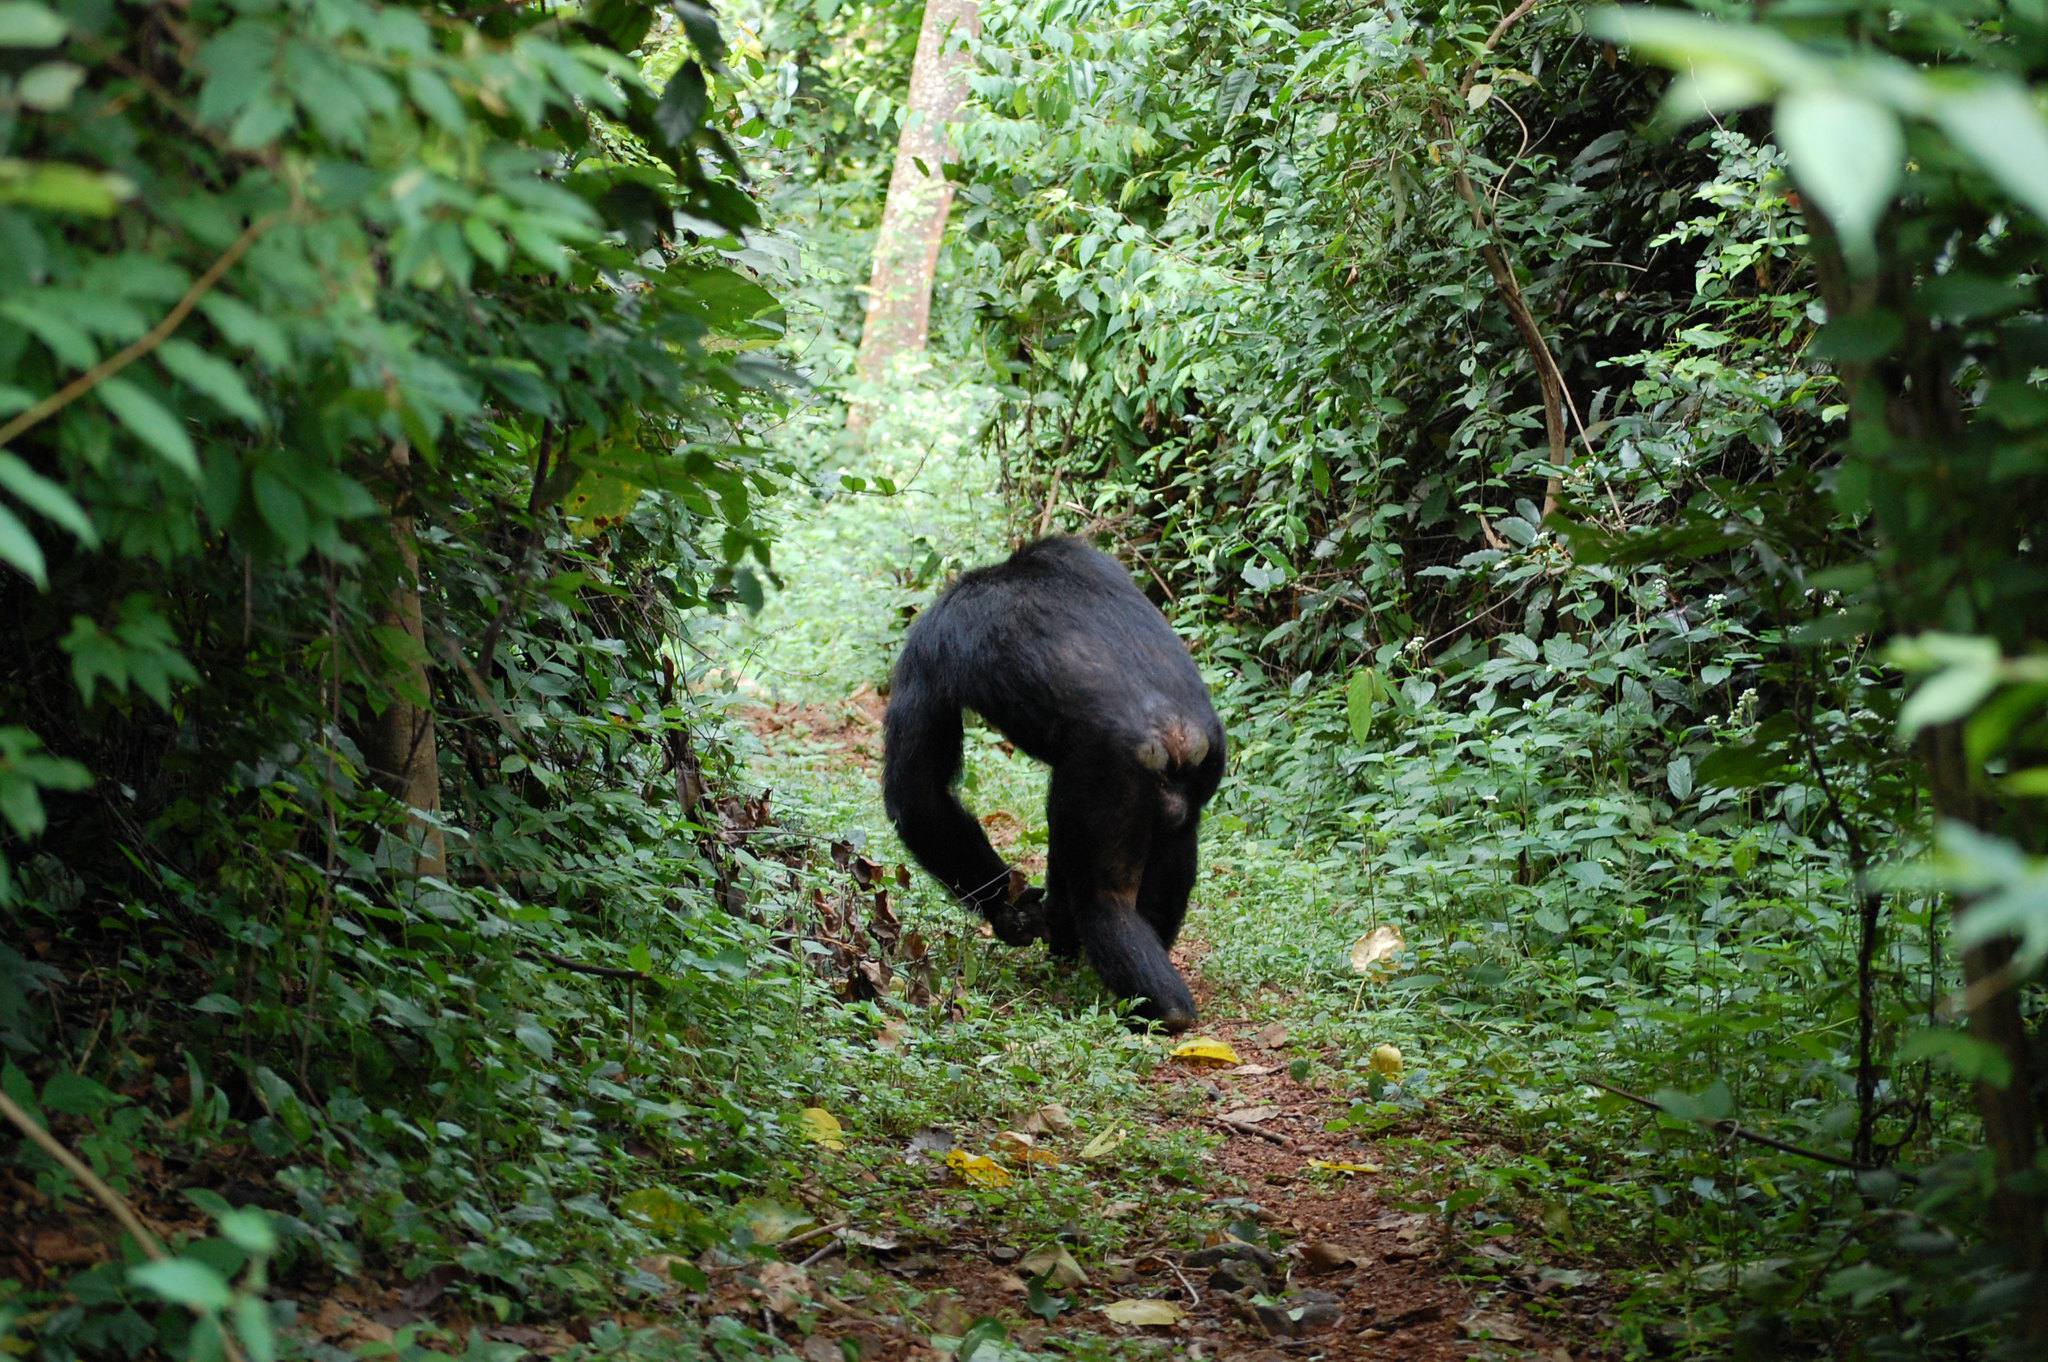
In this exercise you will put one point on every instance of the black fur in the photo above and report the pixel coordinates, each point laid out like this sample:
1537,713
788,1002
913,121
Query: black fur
1068,660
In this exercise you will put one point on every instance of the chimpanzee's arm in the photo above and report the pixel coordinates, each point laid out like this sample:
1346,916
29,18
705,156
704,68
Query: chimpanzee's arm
921,741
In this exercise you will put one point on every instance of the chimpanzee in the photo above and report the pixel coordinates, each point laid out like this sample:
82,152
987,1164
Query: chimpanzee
1067,659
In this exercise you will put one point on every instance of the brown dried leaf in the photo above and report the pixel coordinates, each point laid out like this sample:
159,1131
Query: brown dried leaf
1054,1262
1050,1119
1330,1257
1374,952
1251,1116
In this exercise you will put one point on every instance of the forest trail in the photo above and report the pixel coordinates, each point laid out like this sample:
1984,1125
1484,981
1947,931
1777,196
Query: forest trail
1216,1195
1299,1247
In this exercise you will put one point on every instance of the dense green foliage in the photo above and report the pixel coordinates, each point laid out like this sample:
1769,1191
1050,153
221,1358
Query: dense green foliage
317,286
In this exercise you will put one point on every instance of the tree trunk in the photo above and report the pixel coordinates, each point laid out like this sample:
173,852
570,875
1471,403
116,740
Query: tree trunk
898,319
2011,1120
399,746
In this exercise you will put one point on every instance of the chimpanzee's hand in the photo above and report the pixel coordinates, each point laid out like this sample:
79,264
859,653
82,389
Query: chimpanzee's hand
1020,921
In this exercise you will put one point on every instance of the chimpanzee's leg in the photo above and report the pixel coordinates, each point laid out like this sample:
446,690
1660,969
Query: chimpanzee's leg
1101,823
1169,879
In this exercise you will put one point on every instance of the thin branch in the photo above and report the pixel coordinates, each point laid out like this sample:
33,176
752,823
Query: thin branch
578,967
1735,1130
150,340
1240,1127
116,1205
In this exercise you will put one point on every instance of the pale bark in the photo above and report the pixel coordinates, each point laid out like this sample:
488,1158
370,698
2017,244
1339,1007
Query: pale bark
400,748
898,321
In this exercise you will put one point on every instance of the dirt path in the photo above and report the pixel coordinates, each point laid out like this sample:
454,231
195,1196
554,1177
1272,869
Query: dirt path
1305,1259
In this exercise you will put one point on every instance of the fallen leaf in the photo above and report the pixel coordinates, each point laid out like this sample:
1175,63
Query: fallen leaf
1050,1119
1272,1036
1386,1061
1117,1210
783,1287
875,1243
821,1127
975,1170
1374,952
1250,1070
1497,1327
1142,1312
1205,1052
930,1140
1340,1166
1103,1143
1251,1116
773,1222
1056,1264
1330,1257
1022,1148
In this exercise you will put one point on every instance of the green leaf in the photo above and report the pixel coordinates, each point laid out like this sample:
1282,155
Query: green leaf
1678,775
1946,696
49,499
30,25
283,511
1361,695
436,100
683,103
254,1327
250,1229
535,1039
213,376
60,187
184,1281
150,422
1846,152
1978,1061
1999,124
20,551
49,87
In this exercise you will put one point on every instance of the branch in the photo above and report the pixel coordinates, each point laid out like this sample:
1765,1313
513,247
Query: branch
1241,1128
578,967
105,1195
150,340
1735,1130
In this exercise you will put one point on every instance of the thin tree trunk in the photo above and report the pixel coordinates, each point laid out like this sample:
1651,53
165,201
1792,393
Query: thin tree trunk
898,319
403,757
1920,406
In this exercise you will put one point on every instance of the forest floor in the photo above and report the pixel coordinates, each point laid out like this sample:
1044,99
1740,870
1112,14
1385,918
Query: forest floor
1005,1167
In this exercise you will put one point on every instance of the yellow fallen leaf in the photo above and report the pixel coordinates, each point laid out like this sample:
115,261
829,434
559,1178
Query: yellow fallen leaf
975,1170
1103,1143
1339,1166
1386,1061
1143,1312
822,1127
1374,952
1203,1051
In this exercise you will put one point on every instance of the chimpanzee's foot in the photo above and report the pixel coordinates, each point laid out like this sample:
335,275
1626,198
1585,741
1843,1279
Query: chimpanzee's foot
1022,922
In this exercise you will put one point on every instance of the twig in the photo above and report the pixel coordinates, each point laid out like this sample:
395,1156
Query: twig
1270,1136
578,967
812,1233
1736,1130
1194,1296
116,1205
831,1247
150,340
